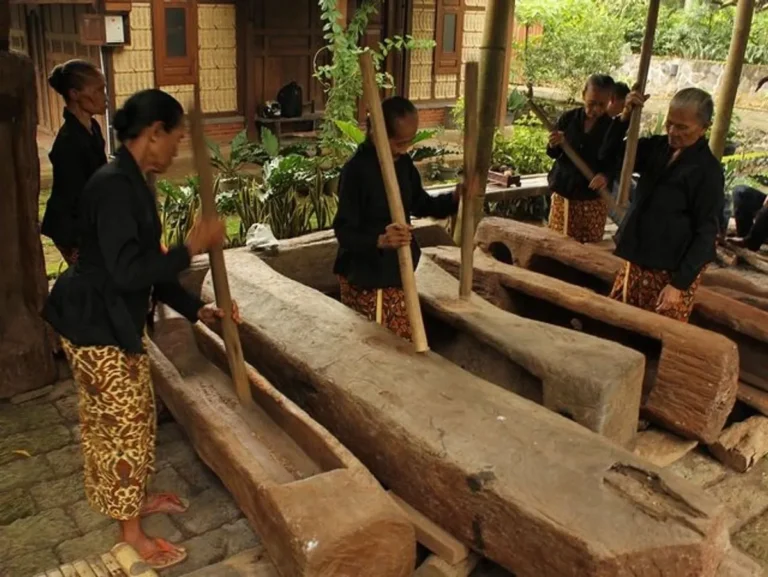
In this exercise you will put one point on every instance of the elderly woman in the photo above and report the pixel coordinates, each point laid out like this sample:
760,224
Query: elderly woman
99,307
668,235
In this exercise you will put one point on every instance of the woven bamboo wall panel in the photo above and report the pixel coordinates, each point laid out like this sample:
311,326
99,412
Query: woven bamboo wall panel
217,55
446,86
420,81
133,65
476,4
18,32
185,94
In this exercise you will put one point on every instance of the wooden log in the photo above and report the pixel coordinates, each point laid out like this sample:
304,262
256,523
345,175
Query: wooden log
755,398
549,365
26,356
633,132
751,300
394,199
249,563
489,467
732,280
691,374
434,566
547,252
470,187
751,258
223,298
742,444
319,512
436,539
662,448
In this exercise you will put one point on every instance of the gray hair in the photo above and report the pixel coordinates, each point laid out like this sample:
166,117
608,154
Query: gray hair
698,99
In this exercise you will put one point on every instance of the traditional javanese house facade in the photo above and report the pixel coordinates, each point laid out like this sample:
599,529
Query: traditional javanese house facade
241,52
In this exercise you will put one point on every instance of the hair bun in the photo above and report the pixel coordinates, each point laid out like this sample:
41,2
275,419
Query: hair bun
56,79
121,121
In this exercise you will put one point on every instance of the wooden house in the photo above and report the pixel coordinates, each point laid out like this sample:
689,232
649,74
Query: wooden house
241,52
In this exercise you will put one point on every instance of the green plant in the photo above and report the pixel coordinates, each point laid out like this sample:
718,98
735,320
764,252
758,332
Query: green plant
341,77
525,151
178,207
516,102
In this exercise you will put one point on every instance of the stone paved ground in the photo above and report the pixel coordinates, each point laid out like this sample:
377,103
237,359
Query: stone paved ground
45,520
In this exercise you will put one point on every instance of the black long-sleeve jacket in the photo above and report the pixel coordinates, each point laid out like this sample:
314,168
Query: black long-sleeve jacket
104,299
564,178
76,154
363,214
673,221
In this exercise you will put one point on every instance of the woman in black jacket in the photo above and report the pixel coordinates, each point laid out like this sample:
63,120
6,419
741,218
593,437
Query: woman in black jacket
77,152
99,307
367,263
577,209
668,236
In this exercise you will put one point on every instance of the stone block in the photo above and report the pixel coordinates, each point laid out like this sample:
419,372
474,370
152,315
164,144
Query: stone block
61,389
198,475
167,480
30,564
14,505
174,453
209,510
66,461
34,442
41,531
202,551
86,518
742,496
168,433
31,395
160,525
238,536
24,472
93,543
58,493
16,419
67,407
698,468
753,539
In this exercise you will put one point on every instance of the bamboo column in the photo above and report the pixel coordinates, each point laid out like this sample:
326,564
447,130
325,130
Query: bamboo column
628,167
471,178
394,199
218,268
732,74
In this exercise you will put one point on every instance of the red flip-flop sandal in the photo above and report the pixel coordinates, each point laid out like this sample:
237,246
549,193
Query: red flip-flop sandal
178,504
164,548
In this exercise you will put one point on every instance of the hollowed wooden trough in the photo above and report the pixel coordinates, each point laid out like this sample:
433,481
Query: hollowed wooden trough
318,511
533,491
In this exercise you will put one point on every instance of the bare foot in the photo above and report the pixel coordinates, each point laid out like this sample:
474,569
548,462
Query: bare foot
163,503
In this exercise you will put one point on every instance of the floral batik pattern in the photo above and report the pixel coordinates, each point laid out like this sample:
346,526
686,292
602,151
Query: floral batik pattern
394,314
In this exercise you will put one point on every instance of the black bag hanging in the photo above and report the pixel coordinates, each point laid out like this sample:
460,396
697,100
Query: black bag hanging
291,101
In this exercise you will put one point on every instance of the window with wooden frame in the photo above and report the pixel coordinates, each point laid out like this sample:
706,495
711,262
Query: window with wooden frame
174,35
449,27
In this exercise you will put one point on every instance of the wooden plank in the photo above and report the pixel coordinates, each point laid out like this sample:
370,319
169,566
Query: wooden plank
112,565
436,539
97,566
54,573
755,398
544,251
489,467
743,444
394,199
83,569
434,566
662,448
690,382
250,563
69,571
312,502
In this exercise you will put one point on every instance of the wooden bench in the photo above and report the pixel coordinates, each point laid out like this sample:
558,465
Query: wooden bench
276,124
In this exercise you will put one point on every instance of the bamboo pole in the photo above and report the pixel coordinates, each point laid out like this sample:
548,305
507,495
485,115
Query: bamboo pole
727,96
394,199
582,166
469,189
628,167
218,268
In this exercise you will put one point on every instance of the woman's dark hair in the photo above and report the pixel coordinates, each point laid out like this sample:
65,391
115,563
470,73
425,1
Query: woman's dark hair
620,90
72,75
394,108
601,82
145,108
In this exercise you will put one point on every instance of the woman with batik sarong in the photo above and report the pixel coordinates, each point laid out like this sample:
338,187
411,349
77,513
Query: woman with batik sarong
667,237
77,151
367,264
576,208
99,307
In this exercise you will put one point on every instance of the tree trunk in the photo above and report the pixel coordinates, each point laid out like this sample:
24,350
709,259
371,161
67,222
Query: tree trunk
26,359
727,96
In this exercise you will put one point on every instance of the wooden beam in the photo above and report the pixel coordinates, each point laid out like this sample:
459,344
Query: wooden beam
394,199
249,563
502,120
470,188
742,444
690,380
726,98
434,566
223,298
662,448
318,511
628,167
489,467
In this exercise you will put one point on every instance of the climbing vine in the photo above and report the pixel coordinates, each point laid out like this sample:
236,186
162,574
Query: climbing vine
341,77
